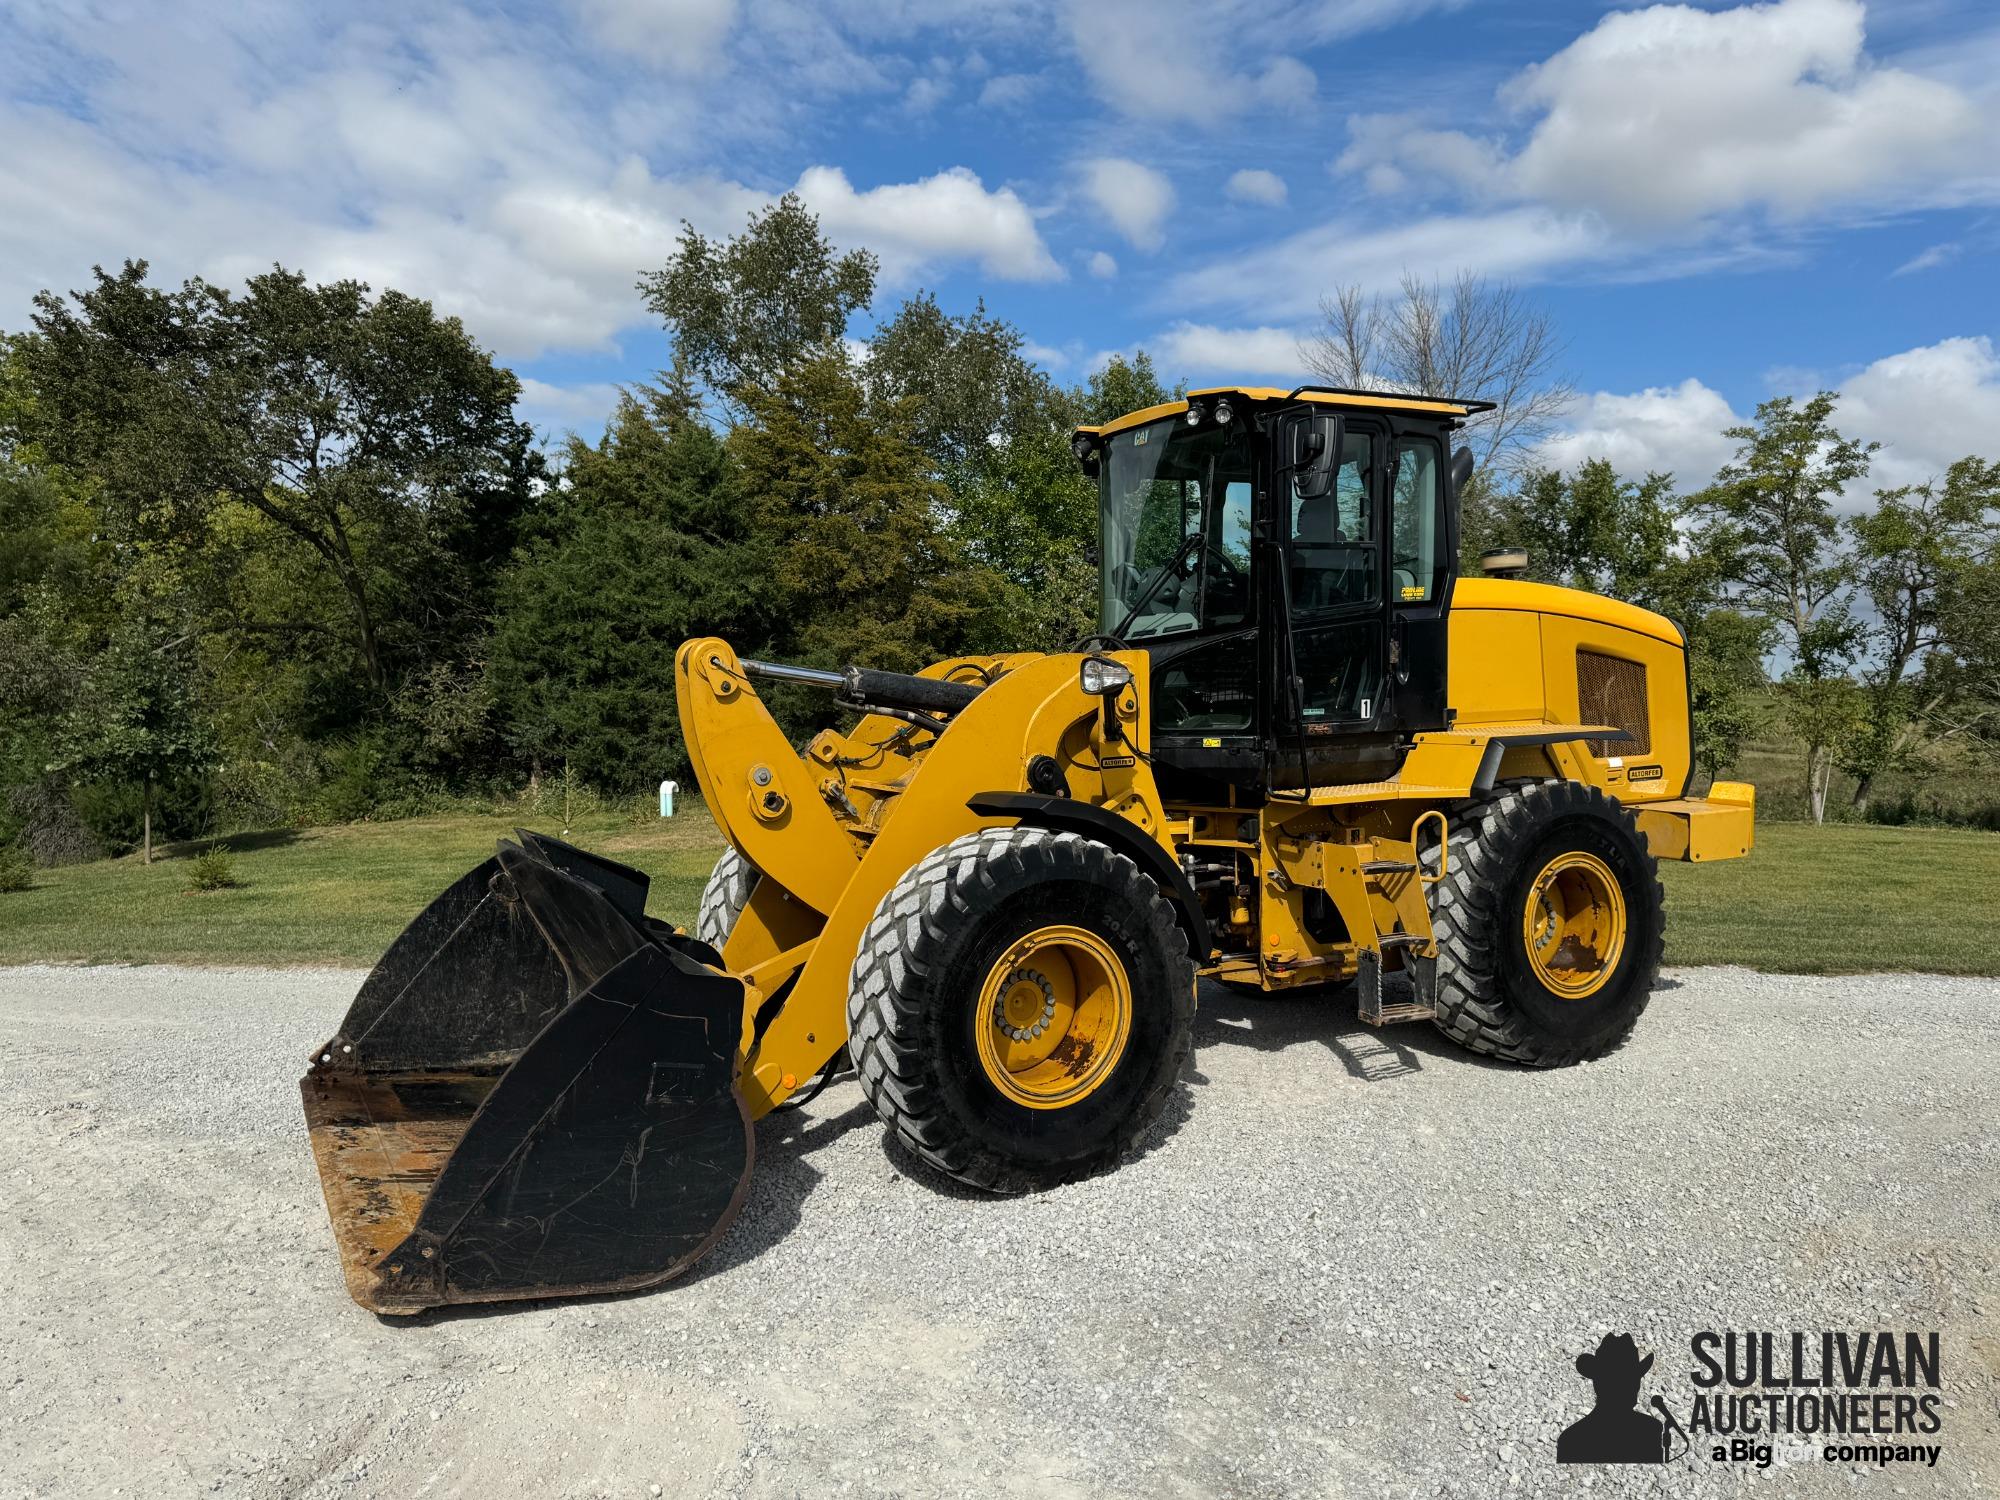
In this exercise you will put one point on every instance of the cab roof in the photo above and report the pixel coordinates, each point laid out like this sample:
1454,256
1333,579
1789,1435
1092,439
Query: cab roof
1323,395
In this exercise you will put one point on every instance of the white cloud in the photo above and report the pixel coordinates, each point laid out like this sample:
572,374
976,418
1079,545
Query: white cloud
468,178
1135,198
1205,61
1930,259
1008,90
1103,266
1927,406
1230,353
947,217
1178,60
1664,142
1254,185
926,94
680,36
1287,278
1666,117
556,409
1666,429
504,167
1397,153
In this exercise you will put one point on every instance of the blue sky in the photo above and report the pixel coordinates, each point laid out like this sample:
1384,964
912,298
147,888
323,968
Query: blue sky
1716,203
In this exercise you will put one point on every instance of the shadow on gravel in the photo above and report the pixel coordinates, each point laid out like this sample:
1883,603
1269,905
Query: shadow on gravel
1326,1018
782,1178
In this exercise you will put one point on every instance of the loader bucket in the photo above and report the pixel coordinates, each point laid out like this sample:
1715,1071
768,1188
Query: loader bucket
532,1095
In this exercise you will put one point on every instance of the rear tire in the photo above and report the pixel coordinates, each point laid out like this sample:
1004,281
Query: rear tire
724,897
1541,988
1021,1008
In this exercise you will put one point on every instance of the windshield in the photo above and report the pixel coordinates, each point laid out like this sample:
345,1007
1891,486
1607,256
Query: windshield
1176,517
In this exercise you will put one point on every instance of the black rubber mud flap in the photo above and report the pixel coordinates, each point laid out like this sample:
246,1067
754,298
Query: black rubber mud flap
606,1149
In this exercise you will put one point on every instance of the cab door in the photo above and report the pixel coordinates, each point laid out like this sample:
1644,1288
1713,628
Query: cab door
1423,563
1334,625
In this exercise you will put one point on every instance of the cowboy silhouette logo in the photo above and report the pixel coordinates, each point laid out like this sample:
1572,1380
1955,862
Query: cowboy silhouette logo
1614,1432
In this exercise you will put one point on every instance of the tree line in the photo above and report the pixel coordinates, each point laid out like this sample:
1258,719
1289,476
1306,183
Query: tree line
284,553
1875,636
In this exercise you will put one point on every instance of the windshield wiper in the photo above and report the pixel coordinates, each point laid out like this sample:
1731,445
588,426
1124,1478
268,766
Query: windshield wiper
1194,539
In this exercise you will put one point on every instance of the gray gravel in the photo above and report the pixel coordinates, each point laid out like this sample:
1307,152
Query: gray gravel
1350,1263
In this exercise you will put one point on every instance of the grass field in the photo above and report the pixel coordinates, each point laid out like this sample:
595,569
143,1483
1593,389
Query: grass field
321,895
1843,899
1847,899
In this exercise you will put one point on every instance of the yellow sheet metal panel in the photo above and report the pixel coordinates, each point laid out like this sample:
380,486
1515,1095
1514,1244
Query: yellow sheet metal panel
1496,665
1527,652
1697,830
1602,672
1277,393
1548,599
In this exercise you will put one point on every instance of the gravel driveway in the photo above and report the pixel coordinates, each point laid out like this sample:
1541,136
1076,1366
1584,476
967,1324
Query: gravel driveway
1350,1263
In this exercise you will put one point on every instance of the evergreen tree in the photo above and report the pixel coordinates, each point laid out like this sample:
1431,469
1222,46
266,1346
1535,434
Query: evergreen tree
863,570
638,548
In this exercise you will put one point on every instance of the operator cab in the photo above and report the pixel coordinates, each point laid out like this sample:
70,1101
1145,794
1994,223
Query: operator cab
1286,560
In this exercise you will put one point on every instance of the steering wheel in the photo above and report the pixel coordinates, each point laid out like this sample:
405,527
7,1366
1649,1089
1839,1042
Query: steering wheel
1215,556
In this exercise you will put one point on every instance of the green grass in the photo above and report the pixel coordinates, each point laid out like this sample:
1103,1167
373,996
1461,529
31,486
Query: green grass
1843,899
322,895
1840,899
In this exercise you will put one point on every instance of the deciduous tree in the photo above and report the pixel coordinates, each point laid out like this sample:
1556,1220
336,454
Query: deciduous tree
350,425
1925,556
744,310
1467,337
1770,515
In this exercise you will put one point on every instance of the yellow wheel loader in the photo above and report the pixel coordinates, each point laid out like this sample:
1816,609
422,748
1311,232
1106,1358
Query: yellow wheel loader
1303,752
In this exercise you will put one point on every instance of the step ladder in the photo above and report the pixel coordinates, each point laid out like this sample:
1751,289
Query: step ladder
1372,1008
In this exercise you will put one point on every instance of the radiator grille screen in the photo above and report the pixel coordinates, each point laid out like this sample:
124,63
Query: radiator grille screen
1610,690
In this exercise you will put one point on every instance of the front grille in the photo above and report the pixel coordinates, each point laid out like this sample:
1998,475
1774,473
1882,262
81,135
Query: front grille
1611,690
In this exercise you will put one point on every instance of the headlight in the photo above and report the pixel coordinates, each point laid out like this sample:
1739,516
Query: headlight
1223,412
1100,676
1081,445
1193,415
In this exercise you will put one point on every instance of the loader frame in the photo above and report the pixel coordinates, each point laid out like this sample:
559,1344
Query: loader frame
833,829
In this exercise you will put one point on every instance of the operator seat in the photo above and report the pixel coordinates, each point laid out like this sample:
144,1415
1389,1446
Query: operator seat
1315,567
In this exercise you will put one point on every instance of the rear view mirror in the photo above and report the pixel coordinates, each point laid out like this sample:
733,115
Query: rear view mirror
1311,448
1461,471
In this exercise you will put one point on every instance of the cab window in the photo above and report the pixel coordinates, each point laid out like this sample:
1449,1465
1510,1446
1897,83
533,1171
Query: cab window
1417,521
1333,553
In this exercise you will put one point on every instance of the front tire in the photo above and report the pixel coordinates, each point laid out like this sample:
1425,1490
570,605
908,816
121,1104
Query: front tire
1021,1007
723,898
1550,924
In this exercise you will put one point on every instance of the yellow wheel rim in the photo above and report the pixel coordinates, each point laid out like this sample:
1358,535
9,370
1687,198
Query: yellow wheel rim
1574,925
1053,1017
